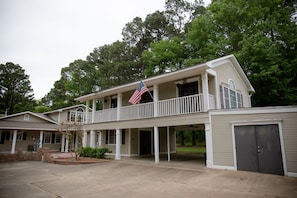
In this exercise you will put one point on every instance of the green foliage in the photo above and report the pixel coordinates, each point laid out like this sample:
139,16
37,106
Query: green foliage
94,152
16,94
41,109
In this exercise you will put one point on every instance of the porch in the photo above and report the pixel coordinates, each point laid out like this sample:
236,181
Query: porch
170,107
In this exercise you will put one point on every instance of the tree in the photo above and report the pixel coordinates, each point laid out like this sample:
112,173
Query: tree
262,37
16,92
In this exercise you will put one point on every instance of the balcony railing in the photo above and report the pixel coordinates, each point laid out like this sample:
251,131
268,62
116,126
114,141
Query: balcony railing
170,107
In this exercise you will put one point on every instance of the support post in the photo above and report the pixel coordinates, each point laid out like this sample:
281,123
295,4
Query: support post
15,132
156,99
205,92
119,104
93,110
156,144
85,138
118,144
63,143
92,139
209,146
87,112
67,144
40,139
168,144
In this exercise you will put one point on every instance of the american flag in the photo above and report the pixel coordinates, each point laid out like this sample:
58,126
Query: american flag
136,97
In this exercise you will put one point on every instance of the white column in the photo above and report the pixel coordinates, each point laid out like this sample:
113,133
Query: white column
100,138
205,92
85,138
87,112
67,144
156,144
209,151
156,99
40,139
119,104
63,142
15,132
76,139
118,144
168,144
92,139
93,110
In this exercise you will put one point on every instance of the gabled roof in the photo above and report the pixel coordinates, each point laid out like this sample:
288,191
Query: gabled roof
217,62
172,76
38,115
65,109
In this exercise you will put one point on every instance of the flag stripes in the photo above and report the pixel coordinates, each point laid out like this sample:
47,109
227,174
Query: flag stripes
136,97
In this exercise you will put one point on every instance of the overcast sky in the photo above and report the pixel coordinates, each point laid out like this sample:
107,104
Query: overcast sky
43,36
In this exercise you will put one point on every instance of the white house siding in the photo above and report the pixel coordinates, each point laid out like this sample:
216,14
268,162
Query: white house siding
226,72
222,122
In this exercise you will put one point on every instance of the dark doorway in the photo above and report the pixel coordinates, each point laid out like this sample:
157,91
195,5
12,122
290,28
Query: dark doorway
258,149
145,142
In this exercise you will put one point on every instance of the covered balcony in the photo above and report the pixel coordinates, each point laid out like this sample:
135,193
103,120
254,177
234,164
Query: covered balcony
170,107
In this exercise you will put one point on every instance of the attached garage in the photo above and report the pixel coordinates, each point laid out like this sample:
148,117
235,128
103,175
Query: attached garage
256,139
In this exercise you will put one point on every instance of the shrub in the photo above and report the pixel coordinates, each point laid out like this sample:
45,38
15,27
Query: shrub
94,152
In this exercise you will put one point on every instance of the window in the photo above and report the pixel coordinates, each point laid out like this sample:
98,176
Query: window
76,116
230,97
111,137
20,136
57,138
26,117
47,138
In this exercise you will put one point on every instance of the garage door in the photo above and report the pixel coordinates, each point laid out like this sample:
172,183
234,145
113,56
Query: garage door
258,149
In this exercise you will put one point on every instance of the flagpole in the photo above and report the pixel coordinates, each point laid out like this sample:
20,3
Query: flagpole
148,91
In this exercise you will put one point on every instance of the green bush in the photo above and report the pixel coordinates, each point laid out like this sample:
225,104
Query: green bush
94,152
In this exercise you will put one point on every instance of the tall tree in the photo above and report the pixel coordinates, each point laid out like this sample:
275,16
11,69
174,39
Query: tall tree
261,35
16,92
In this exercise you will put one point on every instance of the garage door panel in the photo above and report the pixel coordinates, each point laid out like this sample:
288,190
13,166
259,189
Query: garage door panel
247,158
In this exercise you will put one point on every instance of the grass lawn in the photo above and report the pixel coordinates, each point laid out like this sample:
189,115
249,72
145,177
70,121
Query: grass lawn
190,149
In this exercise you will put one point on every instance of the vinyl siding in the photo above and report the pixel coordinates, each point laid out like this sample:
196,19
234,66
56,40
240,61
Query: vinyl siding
222,135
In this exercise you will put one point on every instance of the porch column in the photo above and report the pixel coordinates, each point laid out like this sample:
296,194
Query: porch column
168,144
67,144
156,144
208,140
118,144
15,132
205,91
100,138
63,142
156,99
92,139
85,138
87,112
40,139
119,104
93,110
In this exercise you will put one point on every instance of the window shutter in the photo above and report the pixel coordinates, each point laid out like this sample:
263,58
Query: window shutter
106,137
53,138
222,96
68,116
7,135
24,136
2,138
123,136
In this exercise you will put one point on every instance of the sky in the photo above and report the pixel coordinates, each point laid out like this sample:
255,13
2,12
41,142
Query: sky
44,36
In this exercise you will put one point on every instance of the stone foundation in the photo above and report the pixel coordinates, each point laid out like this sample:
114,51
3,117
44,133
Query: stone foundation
22,156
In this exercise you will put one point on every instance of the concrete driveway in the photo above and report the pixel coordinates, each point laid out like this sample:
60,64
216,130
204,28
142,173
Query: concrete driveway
137,178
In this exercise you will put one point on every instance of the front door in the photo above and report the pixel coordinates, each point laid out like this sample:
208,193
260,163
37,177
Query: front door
145,142
258,149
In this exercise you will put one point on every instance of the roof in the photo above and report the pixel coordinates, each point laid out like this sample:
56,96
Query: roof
39,115
64,109
163,78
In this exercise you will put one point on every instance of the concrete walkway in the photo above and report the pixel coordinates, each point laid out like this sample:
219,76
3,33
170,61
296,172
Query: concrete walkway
137,178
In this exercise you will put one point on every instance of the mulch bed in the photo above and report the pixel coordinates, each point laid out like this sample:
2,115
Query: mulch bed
82,160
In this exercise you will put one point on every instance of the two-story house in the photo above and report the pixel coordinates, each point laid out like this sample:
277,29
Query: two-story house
214,97
30,131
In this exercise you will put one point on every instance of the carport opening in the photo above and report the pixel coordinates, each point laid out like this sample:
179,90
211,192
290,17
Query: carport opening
190,144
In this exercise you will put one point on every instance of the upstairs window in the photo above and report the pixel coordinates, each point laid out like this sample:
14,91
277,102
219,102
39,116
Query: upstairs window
230,97
76,116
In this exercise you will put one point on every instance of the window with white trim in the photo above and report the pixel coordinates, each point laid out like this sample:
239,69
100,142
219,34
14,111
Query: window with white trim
76,116
111,137
58,138
230,97
47,138
20,136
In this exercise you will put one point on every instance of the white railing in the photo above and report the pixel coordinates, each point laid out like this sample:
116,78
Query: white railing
181,105
170,107
137,111
106,115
